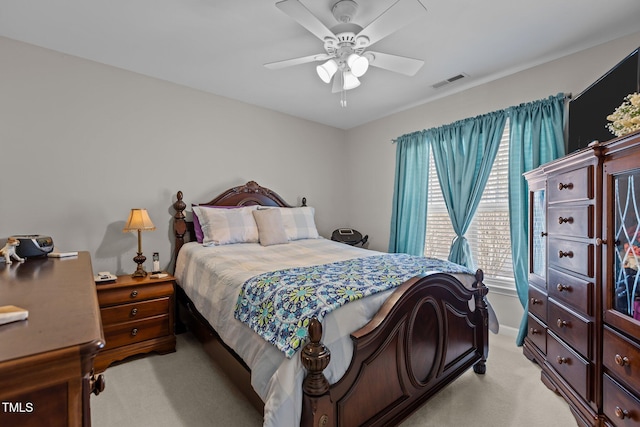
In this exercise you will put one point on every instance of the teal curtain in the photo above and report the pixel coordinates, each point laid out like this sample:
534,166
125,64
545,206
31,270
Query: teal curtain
464,153
409,211
536,137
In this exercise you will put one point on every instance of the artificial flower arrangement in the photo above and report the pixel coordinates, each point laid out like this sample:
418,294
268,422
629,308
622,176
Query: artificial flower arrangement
626,118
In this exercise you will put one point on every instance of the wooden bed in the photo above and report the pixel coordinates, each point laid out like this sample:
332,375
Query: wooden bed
424,336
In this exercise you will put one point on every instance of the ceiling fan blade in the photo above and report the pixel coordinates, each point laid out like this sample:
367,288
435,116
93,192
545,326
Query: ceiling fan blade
395,63
297,61
304,17
397,16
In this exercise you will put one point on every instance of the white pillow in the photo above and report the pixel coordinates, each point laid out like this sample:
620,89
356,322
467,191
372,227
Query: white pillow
299,223
225,226
270,227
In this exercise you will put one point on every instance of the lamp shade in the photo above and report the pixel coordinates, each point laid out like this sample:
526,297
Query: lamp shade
327,70
357,64
349,81
138,220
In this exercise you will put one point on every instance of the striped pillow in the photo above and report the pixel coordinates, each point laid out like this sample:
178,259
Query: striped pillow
299,223
225,226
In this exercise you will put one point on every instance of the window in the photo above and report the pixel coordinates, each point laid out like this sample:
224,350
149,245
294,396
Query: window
488,234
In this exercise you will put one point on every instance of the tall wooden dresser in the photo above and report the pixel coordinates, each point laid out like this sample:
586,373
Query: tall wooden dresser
46,361
584,289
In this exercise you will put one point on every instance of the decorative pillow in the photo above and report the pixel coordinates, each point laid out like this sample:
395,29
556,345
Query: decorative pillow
197,228
270,227
224,226
299,223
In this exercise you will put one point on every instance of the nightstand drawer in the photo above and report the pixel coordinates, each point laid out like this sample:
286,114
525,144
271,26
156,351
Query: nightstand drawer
622,358
134,311
573,368
573,329
132,332
619,405
134,292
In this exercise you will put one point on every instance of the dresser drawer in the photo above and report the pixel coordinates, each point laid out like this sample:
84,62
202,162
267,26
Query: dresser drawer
622,358
620,406
132,293
134,311
572,255
132,332
537,333
570,365
538,303
574,185
571,290
576,221
570,327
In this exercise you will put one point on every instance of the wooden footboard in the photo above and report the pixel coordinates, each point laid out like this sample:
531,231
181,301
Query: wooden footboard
423,338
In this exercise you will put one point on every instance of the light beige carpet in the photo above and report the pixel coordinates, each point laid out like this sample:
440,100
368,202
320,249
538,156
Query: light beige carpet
187,389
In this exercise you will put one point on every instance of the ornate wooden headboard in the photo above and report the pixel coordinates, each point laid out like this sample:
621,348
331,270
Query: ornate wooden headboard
248,194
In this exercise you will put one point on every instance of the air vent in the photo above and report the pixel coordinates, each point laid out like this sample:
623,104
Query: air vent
449,80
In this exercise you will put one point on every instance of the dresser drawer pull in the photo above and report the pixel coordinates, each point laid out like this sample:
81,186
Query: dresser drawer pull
621,413
543,234
134,311
622,360
134,294
562,186
534,331
562,323
562,360
134,332
535,301
562,220
562,287
568,254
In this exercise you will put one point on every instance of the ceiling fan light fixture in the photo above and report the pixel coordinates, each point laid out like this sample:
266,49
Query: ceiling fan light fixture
358,64
349,81
327,70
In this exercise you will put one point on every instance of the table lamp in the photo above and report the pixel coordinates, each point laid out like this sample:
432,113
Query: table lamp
139,221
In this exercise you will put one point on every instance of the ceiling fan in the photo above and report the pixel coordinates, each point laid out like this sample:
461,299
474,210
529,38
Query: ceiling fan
346,44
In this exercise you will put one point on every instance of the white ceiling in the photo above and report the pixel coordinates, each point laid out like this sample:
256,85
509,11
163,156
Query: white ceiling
220,46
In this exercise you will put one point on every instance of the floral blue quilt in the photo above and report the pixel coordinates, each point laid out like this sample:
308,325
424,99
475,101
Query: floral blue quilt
279,304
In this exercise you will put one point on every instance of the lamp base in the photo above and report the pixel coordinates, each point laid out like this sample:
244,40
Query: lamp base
139,259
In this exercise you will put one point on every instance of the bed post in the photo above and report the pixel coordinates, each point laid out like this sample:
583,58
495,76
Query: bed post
179,225
482,321
317,408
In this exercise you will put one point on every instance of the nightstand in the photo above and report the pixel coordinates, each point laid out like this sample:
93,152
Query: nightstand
137,317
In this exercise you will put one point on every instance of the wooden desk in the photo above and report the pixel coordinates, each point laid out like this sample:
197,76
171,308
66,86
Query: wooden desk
46,361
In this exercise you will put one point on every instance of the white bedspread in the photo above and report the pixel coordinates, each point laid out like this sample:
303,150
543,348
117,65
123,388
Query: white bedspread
212,278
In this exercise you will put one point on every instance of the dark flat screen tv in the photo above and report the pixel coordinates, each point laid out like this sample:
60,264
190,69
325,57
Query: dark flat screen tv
589,110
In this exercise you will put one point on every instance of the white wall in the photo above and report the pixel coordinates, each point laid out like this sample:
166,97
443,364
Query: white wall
372,167
82,143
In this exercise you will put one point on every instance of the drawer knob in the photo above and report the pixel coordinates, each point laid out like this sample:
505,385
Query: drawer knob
622,360
568,254
134,311
562,360
534,331
568,220
535,301
600,242
562,323
134,332
543,234
562,287
621,413
562,186
134,293
96,383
